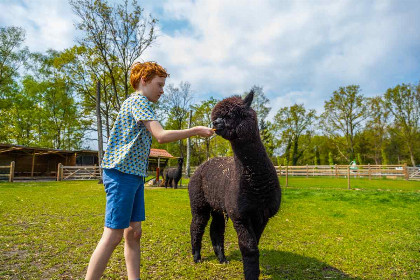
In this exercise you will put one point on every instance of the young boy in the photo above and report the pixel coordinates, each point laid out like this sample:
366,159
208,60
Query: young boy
125,164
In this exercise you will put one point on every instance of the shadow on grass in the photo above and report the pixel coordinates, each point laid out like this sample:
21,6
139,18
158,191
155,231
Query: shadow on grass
286,265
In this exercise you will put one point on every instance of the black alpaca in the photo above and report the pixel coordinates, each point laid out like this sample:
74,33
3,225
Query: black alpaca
173,175
244,188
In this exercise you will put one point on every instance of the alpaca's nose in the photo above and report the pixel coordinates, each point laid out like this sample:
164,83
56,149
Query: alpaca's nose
218,123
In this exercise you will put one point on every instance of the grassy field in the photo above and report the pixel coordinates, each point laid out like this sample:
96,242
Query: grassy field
48,230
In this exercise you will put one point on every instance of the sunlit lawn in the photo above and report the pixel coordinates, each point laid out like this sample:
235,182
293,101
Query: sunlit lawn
324,231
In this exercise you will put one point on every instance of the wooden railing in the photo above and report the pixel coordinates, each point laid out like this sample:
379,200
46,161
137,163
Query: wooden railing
78,172
366,171
11,173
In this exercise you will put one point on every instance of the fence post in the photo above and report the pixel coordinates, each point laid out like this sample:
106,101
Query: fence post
307,171
348,177
59,169
12,172
336,171
405,171
287,175
157,174
369,171
280,170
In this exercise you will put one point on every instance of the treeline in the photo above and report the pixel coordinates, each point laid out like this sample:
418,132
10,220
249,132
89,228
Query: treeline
376,130
48,100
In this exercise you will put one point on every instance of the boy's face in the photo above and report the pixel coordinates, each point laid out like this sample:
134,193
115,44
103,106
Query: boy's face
153,89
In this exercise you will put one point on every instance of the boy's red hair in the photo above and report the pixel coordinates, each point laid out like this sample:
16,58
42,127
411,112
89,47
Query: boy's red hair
146,70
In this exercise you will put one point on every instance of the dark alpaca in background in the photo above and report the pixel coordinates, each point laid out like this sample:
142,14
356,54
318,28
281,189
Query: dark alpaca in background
244,188
172,175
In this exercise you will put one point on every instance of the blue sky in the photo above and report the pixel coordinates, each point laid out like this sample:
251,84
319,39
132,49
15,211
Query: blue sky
298,51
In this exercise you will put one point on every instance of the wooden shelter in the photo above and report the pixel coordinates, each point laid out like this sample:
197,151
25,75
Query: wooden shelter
34,161
158,158
43,162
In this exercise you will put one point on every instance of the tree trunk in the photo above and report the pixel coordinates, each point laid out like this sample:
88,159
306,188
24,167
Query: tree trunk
413,162
187,167
99,124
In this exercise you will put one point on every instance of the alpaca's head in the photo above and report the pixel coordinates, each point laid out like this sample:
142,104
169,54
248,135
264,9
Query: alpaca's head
180,161
233,118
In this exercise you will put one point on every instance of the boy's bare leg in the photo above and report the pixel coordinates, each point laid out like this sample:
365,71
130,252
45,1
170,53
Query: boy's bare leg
97,264
132,236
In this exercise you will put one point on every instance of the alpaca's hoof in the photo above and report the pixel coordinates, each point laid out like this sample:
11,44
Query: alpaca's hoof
197,258
224,261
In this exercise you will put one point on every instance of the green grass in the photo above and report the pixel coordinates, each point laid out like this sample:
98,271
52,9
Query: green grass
48,230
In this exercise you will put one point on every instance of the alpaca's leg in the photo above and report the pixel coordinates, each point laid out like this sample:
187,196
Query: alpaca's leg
217,234
259,225
249,249
166,181
198,225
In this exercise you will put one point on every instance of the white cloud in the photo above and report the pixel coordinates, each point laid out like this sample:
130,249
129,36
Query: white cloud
48,23
299,51
311,47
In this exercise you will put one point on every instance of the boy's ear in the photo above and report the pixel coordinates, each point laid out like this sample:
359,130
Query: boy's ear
142,81
248,99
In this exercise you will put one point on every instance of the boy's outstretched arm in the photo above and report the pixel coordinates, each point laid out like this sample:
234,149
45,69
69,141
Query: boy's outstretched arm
165,136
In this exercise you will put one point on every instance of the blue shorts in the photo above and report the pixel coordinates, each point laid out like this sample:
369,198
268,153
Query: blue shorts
124,198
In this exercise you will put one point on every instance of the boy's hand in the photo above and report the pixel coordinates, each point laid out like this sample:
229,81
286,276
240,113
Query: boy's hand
204,131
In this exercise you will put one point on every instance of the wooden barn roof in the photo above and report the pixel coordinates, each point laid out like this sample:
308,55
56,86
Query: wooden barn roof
36,150
160,153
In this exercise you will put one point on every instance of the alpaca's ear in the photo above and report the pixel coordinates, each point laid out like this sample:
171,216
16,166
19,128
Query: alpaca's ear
248,98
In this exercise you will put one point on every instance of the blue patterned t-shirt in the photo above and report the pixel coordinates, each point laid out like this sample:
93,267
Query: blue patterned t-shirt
129,142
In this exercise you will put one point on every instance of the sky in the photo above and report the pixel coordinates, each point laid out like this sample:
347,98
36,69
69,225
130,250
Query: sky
298,51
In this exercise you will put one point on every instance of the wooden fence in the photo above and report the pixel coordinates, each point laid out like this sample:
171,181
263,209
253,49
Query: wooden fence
78,172
348,171
10,171
359,171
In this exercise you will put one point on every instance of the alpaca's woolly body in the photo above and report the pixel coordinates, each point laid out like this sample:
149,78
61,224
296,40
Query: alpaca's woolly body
245,187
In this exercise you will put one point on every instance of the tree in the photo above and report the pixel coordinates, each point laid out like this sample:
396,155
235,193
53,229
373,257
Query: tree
292,122
202,116
114,37
267,136
376,127
403,101
85,71
60,124
117,35
259,104
343,116
175,105
12,54
43,111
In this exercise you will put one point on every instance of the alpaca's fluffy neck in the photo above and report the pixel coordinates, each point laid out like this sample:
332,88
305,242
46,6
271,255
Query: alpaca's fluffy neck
179,168
251,156
254,168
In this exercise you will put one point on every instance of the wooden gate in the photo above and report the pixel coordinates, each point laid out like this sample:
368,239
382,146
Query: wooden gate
414,173
78,172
